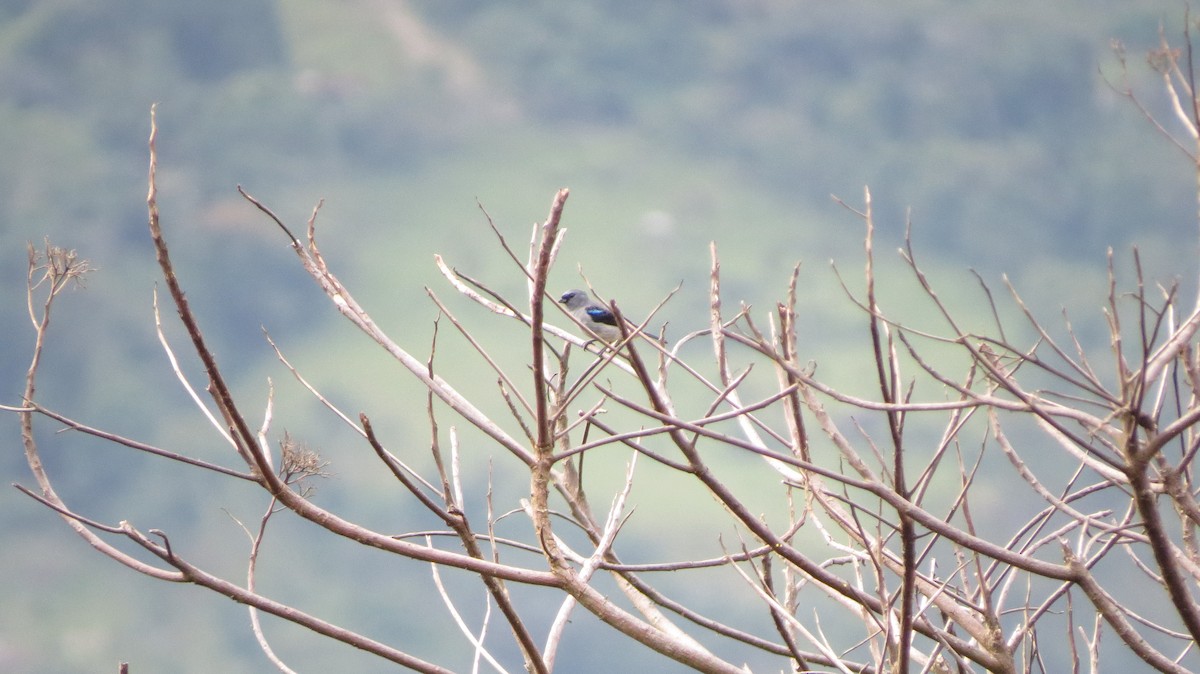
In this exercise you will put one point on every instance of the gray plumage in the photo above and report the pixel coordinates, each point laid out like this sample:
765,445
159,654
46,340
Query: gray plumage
593,316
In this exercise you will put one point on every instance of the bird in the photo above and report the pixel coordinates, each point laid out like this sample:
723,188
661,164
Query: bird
593,316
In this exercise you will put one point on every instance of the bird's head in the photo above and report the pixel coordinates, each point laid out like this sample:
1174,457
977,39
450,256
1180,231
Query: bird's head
574,298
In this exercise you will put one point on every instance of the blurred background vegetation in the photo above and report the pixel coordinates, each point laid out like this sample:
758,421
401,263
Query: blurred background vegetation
993,128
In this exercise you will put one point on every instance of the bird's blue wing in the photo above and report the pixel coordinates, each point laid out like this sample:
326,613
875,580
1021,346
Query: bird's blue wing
601,315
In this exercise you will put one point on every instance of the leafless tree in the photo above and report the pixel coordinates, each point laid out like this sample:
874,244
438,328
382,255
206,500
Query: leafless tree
879,530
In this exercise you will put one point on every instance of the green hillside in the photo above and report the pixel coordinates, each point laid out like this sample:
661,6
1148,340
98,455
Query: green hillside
674,124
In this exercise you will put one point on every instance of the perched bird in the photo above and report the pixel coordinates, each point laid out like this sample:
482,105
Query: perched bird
593,316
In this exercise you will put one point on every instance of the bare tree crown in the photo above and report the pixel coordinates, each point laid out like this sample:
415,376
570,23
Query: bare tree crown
879,532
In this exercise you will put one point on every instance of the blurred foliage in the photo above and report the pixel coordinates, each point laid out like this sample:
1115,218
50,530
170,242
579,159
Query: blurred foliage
675,124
